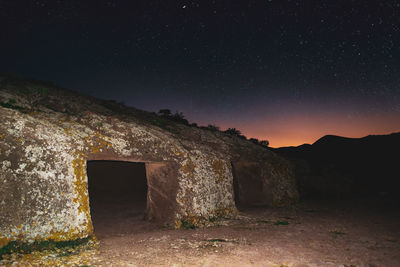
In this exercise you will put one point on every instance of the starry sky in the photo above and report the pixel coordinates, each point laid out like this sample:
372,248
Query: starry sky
283,70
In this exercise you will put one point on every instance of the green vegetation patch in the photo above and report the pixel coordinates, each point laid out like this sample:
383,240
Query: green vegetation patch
11,104
42,91
26,248
337,233
187,225
281,223
164,124
216,240
264,221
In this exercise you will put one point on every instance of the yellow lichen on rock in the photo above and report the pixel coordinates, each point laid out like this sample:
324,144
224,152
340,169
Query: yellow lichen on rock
94,144
188,168
81,192
4,241
72,234
218,168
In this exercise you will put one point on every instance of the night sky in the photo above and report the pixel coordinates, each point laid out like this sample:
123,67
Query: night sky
286,71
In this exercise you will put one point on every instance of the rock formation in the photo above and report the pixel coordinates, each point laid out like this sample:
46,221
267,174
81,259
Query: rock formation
47,135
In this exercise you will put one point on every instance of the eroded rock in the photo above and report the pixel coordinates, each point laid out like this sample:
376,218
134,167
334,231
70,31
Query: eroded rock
48,134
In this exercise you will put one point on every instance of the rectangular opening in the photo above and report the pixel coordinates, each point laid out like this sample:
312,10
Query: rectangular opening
247,185
236,188
117,196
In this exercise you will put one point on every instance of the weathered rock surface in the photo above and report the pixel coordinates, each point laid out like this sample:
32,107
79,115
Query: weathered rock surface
47,134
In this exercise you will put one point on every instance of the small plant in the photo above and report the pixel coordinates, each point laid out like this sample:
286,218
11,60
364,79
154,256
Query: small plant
263,221
212,219
391,239
165,112
281,223
99,124
11,104
160,123
177,117
27,248
254,140
264,143
187,225
233,131
337,232
216,240
42,91
212,127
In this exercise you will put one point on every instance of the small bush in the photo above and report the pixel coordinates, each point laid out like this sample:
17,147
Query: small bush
233,131
11,104
15,246
213,127
281,223
187,225
264,143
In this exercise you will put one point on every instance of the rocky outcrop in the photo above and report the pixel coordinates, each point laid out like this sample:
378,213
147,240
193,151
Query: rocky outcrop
48,134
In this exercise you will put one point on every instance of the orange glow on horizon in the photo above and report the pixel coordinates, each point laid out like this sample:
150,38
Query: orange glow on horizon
298,130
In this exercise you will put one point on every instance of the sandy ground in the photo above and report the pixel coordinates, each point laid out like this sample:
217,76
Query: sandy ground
319,233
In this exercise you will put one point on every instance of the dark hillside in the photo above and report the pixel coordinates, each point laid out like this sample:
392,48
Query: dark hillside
337,166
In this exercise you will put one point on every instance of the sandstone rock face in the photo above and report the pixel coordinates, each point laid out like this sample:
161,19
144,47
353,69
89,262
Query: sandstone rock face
48,134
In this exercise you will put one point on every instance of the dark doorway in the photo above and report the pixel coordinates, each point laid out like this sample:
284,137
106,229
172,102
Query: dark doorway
117,196
236,188
248,186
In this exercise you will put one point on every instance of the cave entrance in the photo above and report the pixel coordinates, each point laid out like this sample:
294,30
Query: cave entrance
248,185
117,196
236,190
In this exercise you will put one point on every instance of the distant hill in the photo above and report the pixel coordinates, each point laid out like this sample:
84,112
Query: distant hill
336,166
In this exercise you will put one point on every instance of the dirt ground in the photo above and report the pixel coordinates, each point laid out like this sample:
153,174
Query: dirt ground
319,233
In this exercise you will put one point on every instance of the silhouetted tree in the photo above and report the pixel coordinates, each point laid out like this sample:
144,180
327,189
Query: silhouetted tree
179,117
165,112
255,141
264,143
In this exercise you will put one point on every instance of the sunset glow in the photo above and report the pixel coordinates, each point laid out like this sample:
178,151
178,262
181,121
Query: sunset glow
286,71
